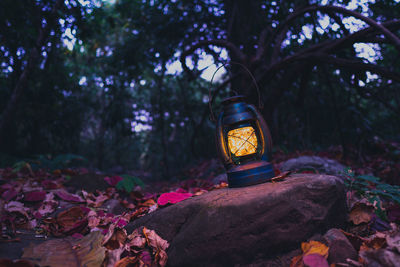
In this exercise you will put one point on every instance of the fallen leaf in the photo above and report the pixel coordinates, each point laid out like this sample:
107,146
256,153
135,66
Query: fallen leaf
68,218
93,200
145,257
393,238
49,184
116,240
64,195
158,246
172,198
59,252
361,213
127,261
35,196
136,240
113,257
314,247
47,207
297,261
9,194
16,206
67,222
315,260
93,219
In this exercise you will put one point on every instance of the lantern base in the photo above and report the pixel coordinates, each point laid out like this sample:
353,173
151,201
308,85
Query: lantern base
250,174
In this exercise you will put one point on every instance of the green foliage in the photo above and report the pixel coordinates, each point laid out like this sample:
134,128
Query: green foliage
371,187
128,183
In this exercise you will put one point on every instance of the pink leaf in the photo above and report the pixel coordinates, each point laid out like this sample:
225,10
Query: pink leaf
9,194
315,260
35,196
172,198
64,195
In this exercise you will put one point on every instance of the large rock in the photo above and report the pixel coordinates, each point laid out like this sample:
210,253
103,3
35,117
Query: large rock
321,165
243,225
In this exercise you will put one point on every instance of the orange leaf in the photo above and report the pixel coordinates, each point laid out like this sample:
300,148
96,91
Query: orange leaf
314,247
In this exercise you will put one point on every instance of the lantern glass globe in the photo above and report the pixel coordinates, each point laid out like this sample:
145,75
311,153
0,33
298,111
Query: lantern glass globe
242,141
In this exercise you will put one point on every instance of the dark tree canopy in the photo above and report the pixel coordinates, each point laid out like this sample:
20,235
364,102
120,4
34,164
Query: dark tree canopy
122,82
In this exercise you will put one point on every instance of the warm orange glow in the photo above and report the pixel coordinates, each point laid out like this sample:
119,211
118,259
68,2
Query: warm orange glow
242,141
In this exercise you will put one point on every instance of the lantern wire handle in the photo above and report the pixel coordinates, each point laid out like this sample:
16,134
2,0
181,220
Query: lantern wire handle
211,97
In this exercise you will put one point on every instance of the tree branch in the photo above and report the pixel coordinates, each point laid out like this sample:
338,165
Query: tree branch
283,28
354,65
221,43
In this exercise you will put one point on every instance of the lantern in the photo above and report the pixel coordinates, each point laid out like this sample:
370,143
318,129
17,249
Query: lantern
243,139
243,143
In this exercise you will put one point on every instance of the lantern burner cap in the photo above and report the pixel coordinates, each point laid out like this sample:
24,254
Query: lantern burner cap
233,99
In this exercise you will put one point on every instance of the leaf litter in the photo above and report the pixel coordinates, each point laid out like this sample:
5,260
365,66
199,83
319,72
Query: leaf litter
87,228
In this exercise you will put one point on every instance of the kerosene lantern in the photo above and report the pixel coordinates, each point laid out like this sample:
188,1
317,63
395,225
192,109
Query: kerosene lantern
243,143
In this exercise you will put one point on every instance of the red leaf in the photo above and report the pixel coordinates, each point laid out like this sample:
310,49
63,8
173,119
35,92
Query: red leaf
35,196
64,195
315,260
172,198
113,180
49,184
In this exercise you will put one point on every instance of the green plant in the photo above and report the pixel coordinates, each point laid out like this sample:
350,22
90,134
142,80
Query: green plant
371,187
128,183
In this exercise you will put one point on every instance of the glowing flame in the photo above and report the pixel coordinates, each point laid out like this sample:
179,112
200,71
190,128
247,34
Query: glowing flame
242,141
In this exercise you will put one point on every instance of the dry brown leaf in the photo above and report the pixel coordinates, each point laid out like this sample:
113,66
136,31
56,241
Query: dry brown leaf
297,261
136,240
314,247
361,213
115,238
113,257
393,240
375,242
126,261
68,218
158,246
154,240
59,252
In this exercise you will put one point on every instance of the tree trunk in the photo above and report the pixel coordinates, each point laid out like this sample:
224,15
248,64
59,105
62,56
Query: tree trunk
9,112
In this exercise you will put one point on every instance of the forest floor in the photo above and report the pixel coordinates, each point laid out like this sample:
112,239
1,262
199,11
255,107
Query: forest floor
66,206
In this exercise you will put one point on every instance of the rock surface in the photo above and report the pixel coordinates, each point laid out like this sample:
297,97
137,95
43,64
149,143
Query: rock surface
239,226
321,165
340,247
